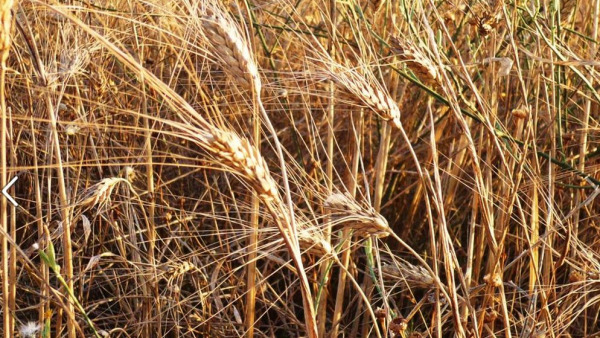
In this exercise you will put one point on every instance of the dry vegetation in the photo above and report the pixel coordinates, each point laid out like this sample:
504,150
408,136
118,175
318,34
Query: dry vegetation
405,168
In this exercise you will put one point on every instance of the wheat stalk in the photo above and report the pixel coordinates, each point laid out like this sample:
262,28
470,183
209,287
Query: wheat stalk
232,50
8,294
237,153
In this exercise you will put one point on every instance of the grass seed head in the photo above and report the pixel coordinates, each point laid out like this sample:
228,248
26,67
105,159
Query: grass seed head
347,212
99,193
229,47
418,62
414,275
365,90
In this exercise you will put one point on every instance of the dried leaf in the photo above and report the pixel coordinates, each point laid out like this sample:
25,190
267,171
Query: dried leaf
87,227
96,259
505,65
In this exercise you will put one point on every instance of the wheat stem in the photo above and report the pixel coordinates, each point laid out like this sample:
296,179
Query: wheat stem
347,233
330,141
250,311
5,42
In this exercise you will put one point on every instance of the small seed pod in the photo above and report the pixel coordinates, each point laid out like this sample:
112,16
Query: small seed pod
521,112
398,326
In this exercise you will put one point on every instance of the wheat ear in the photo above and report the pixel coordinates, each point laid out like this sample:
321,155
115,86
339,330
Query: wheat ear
240,156
415,59
230,48
413,275
243,158
363,91
364,221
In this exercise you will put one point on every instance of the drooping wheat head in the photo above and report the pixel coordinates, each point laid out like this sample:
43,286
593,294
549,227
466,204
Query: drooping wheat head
348,214
412,275
419,63
364,89
99,193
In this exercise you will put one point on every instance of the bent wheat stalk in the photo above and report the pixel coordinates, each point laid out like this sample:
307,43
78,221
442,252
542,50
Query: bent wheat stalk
232,51
235,153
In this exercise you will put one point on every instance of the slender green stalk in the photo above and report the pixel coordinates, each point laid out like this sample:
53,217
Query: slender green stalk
49,257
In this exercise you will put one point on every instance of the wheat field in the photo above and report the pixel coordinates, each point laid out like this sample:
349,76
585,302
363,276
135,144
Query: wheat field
300,168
